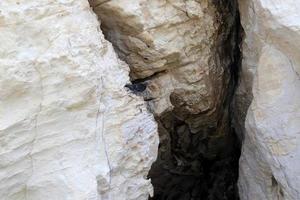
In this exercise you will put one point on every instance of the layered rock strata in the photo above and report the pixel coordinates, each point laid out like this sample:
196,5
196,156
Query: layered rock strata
73,127
68,127
182,57
269,165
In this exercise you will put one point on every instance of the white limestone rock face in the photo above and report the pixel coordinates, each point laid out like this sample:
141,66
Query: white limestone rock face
270,161
68,128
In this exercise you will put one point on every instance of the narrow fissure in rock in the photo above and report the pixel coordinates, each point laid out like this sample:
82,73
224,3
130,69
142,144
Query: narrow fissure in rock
189,89
196,170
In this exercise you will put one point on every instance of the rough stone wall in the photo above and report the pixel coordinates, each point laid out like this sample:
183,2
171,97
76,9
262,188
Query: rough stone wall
269,165
174,45
73,127
68,127
181,58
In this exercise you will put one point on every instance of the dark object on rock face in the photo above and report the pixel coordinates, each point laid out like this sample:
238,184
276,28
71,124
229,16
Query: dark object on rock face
137,87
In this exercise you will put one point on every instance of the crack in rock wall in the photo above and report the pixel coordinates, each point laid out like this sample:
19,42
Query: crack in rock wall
183,58
72,124
68,128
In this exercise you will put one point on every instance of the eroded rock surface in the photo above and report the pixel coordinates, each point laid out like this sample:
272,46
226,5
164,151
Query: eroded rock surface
73,127
182,59
68,128
269,165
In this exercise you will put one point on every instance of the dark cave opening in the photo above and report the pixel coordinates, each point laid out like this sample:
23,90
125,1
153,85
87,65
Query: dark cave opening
195,169
215,179
198,166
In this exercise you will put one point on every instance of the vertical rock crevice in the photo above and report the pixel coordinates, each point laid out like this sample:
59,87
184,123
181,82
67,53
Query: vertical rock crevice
184,58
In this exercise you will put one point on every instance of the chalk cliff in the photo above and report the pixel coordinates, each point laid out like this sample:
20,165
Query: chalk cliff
89,88
69,129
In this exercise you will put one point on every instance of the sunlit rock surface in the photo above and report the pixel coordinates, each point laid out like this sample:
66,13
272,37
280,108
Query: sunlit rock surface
73,127
68,127
269,165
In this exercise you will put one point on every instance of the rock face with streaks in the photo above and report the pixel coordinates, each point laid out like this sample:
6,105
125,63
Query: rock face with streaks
69,129
80,117
270,84
182,59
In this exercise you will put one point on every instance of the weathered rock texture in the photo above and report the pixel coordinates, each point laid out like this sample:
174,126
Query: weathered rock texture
68,128
181,56
73,127
269,165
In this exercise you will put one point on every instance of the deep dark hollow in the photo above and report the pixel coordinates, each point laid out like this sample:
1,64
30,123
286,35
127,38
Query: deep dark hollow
189,172
213,179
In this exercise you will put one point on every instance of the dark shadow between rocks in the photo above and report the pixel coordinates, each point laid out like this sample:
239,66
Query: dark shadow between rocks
201,166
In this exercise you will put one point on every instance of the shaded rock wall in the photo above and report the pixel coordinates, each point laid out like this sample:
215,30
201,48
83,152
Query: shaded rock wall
68,128
182,59
269,164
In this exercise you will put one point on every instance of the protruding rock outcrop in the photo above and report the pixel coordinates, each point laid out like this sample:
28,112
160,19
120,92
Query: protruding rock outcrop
269,164
68,127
